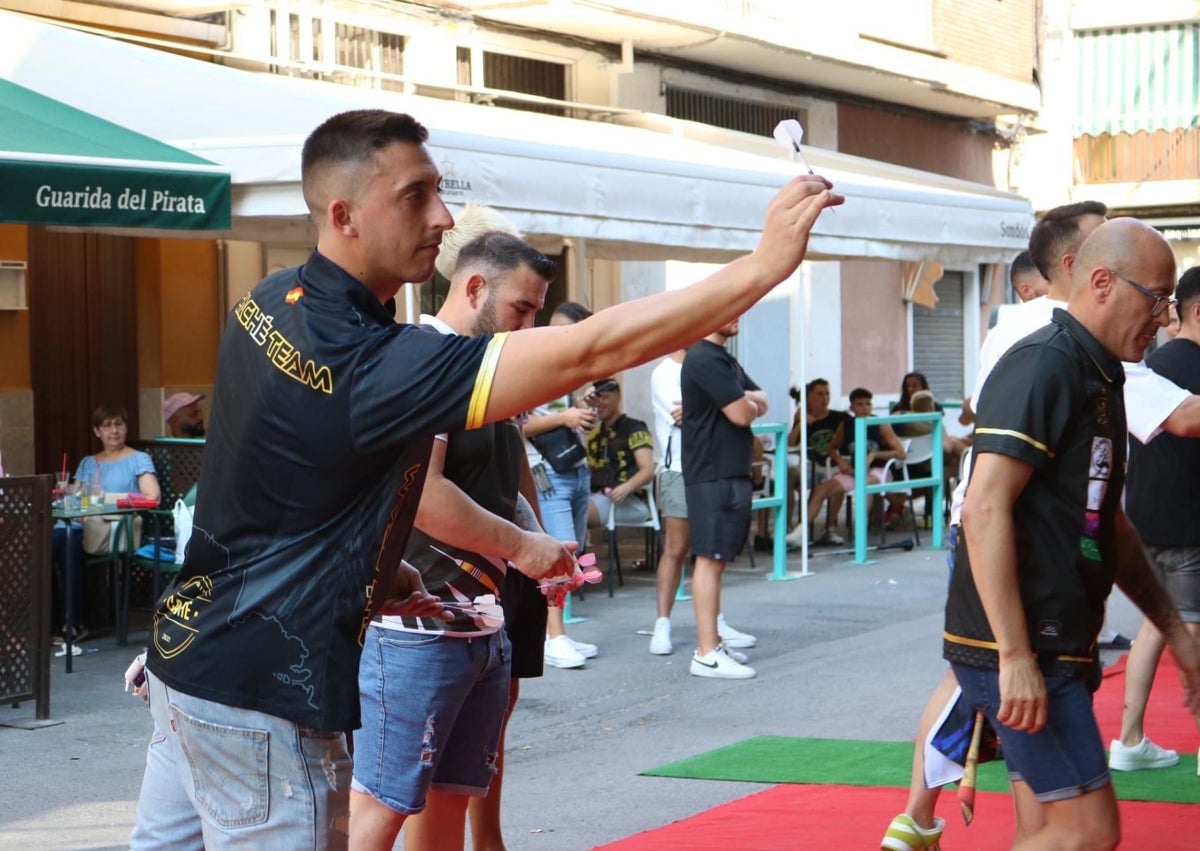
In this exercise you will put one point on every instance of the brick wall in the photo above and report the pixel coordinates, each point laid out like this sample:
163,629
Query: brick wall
999,36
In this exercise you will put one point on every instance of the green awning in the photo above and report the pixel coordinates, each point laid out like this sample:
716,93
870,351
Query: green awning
62,166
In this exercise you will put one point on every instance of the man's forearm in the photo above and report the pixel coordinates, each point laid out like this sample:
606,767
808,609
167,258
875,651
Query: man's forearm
1140,583
991,542
1185,419
448,514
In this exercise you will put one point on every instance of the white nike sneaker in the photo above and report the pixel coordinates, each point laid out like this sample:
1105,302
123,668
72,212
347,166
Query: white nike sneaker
719,665
731,637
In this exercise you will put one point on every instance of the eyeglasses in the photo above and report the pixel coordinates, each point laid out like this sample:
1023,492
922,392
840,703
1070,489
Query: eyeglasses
1161,302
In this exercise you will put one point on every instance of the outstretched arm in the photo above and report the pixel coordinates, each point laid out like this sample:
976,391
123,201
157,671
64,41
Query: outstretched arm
544,363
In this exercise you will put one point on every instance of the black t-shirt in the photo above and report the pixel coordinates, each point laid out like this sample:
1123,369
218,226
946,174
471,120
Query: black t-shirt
821,433
485,464
322,418
610,451
1163,490
874,442
1056,402
714,448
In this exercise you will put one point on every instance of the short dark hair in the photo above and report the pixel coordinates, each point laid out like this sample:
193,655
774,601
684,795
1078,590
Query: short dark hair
501,252
860,393
607,385
1188,290
794,392
109,412
1021,266
354,137
572,310
1057,233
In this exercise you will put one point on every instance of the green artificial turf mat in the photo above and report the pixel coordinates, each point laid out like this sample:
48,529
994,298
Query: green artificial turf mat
782,759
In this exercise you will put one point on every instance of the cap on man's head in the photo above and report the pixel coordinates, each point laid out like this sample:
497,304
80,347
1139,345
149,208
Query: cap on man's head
606,385
179,400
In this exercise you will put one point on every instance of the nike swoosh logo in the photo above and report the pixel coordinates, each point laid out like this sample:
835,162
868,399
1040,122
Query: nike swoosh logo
705,664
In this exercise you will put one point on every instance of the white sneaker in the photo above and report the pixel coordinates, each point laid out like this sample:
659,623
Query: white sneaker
736,655
719,665
795,538
832,538
560,654
1145,754
660,641
730,637
587,651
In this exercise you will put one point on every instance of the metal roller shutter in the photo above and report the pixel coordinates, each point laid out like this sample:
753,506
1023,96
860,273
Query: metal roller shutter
938,339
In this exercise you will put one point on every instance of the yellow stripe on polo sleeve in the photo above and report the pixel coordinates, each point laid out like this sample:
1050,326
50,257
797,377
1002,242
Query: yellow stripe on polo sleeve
477,408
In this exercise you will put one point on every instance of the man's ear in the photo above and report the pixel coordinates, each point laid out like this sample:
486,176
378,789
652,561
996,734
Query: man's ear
476,290
340,218
1101,281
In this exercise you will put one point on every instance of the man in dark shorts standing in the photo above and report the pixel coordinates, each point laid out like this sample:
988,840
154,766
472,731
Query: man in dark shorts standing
320,432
719,403
1044,538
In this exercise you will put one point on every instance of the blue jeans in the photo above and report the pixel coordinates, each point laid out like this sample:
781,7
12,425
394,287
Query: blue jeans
222,777
432,708
565,505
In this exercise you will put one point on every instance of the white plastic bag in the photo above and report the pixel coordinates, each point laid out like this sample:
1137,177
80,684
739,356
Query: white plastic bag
183,529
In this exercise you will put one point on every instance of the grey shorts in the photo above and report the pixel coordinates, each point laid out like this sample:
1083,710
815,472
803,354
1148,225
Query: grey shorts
1179,570
672,498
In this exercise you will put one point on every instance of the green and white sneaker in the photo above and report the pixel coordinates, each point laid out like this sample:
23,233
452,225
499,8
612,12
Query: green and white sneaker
903,834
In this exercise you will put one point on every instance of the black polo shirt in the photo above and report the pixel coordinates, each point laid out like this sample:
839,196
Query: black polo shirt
322,417
485,464
714,447
1163,493
610,451
1056,403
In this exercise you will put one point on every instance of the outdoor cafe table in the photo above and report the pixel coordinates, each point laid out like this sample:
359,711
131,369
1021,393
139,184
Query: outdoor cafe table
68,515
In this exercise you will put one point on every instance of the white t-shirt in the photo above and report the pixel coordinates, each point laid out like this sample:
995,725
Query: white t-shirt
665,394
1149,398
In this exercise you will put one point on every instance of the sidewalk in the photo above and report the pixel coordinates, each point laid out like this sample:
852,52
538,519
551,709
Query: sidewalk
848,652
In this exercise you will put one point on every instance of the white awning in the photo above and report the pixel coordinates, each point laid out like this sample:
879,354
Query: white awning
635,194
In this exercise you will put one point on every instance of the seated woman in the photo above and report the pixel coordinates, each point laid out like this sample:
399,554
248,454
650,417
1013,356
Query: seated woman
118,469
917,398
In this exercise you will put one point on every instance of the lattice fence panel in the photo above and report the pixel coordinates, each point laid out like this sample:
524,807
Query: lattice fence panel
25,524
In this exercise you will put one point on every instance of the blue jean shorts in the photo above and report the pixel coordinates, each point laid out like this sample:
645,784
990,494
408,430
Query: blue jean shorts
1066,759
432,708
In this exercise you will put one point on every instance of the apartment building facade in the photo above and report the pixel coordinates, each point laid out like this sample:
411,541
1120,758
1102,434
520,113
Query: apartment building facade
923,102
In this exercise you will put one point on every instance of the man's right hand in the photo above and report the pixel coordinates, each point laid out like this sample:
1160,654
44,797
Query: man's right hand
790,219
1023,699
541,557
583,418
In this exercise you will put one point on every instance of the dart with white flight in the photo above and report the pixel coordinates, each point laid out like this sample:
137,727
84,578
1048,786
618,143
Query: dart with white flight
790,134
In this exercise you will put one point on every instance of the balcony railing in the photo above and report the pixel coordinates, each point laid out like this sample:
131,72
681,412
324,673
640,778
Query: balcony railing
1137,157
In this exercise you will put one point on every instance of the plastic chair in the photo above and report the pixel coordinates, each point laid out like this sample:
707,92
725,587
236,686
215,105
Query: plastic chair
919,450
653,530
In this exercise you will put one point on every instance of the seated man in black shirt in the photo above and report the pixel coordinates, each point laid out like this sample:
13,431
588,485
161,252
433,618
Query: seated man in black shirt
621,457
882,446
823,423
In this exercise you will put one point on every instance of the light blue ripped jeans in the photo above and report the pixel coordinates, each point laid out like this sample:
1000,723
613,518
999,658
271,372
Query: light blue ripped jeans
221,777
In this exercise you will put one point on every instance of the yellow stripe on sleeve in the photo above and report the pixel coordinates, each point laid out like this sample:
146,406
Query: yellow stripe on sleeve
1007,432
483,381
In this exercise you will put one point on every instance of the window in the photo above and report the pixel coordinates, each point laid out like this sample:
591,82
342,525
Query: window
518,74
731,113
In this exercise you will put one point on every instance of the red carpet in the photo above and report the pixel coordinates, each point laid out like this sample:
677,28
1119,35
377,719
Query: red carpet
1167,723
788,817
